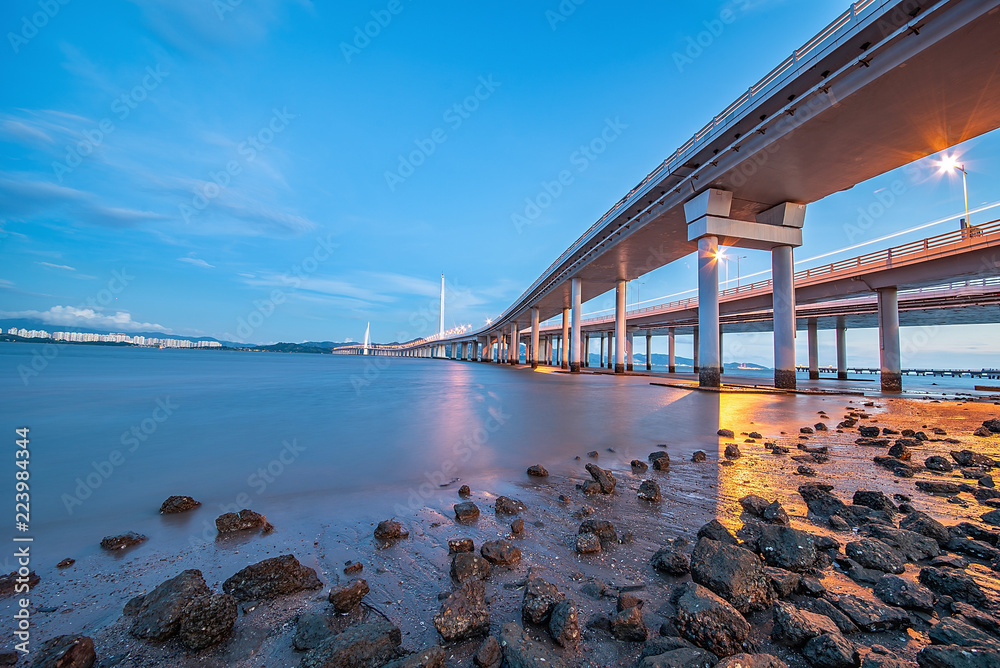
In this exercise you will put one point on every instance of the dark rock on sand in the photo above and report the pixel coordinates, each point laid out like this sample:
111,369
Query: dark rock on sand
983,620
774,513
716,531
520,651
517,527
954,631
564,626
794,627
538,471
639,465
671,559
938,487
178,504
540,597
726,433
783,583
353,567
970,458
732,451
430,657
501,552
708,621
466,511
904,593
869,432
938,463
311,630
464,614
122,541
628,625
660,461
245,520
207,621
751,661
588,543
788,548
913,546
348,597
900,451
649,490
370,644
160,612
489,654
270,578
390,530
603,478
464,491
824,607
831,651
871,616
956,584
875,501
698,456
65,652
754,504
9,582
505,505
468,565
873,553
604,530
955,656
732,572
925,525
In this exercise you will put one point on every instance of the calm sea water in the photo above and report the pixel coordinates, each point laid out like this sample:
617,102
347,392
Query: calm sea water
114,431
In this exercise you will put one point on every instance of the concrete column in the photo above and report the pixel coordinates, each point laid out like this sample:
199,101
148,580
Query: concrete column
465,351
601,353
696,346
841,348
783,302
888,339
454,351
585,359
611,343
620,328
564,357
629,349
708,311
649,358
812,328
671,350
722,359
534,338
576,344
515,344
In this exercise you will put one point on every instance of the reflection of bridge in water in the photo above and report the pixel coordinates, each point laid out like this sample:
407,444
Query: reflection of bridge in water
886,83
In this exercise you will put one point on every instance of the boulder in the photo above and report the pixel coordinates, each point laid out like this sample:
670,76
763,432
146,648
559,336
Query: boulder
938,487
207,621
311,630
900,451
698,456
671,559
245,520
732,572
794,627
788,548
501,553
726,433
649,490
604,530
469,565
955,656
178,504
466,511
754,504
160,612
871,616
639,465
824,607
873,553
925,525
603,478
464,614
913,546
520,651
775,514
660,461
954,631
489,654
564,627
903,593
751,661
370,644
970,458
992,517
456,545
956,584
348,597
783,583
820,501
628,625
938,463
390,530
732,451
588,543
708,621
68,651
540,597
121,541
716,531
875,501
505,505
831,651
538,471
270,578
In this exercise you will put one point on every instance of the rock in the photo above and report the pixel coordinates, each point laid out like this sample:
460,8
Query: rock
178,504
65,563
660,461
824,607
671,559
938,463
649,490
831,651
587,543
370,644
871,616
875,501
121,541
466,511
505,505
775,514
639,465
698,456
9,582
783,583
810,586
603,478
430,657
954,631
464,614
520,651
954,656
838,523
604,530
682,657
716,531
982,432
956,584
732,572
726,433
992,425
938,487
517,527
456,545
626,600
593,454
489,654
873,553
348,597
751,661
973,548
913,546
732,451
468,565
992,517
983,620
794,627
207,621
925,525
869,432
540,597
245,520
65,652
353,568
788,548
390,530
900,451
708,621
464,491
820,501
903,593
950,561
754,504
538,471
270,578
898,467
628,625
970,458
311,630
987,481
160,612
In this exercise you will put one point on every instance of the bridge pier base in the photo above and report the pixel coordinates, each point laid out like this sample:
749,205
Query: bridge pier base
671,361
629,350
601,353
564,353
695,347
888,335
841,348
813,341
611,342
576,291
649,358
515,344
708,311
534,337
620,327
783,304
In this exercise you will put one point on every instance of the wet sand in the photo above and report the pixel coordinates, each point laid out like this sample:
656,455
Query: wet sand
407,576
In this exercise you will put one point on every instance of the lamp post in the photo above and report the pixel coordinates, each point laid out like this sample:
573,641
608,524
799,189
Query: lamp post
951,162
738,258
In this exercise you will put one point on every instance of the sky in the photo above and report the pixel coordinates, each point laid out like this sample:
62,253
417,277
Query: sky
266,171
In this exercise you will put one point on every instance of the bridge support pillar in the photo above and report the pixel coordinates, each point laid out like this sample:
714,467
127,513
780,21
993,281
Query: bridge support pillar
585,358
695,347
515,344
534,338
649,357
629,350
576,344
722,358
601,353
564,356
620,328
888,338
465,351
611,356
813,336
841,348
671,350
783,303
708,311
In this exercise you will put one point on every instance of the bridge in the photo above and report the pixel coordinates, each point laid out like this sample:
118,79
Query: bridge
886,83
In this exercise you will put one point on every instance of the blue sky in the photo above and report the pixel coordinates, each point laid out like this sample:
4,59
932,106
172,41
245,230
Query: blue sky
262,171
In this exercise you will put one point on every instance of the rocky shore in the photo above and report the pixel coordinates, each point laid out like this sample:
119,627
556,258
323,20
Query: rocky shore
868,537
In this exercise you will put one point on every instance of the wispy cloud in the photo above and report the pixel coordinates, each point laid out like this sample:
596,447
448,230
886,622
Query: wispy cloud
22,131
198,262
26,198
57,266
70,316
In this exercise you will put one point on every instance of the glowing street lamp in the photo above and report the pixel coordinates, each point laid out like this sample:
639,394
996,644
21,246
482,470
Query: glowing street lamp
948,163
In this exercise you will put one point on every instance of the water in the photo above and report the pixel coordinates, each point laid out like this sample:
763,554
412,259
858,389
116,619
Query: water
114,431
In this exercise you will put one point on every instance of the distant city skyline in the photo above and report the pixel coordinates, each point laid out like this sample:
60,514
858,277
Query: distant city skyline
272,173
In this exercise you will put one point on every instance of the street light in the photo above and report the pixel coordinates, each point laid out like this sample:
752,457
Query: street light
948,163
738,258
